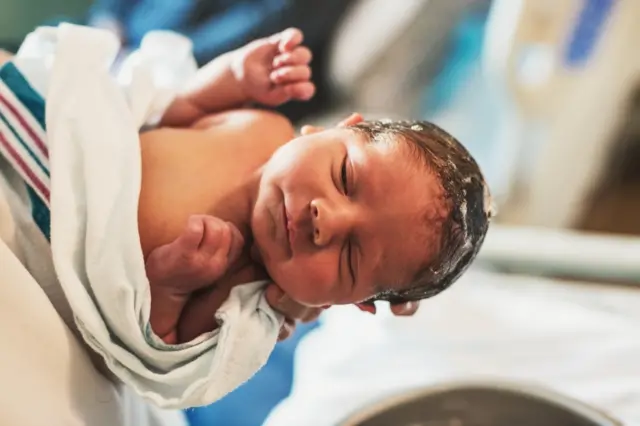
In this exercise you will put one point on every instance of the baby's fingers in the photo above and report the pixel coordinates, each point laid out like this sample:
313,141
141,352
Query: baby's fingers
299,56
216,237
288,75
405,309
221,240
288,39
237,243
300,91
191,238
294,82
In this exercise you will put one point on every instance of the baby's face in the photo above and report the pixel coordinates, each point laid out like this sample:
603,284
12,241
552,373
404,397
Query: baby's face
338,219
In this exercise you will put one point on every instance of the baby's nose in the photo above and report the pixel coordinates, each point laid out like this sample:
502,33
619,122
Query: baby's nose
329,223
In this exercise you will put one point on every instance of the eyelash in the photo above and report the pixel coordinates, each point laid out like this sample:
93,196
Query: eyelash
344,182
343,175
350,263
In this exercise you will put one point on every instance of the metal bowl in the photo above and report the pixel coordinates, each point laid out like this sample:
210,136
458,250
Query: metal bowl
479,404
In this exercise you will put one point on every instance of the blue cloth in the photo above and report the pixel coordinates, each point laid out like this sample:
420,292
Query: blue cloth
214,26
250,404
465,50
219,26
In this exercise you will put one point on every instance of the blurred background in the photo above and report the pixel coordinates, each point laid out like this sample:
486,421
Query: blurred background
544,93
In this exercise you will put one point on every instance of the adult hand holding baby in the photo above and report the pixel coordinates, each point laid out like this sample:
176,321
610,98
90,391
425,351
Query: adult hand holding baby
295,312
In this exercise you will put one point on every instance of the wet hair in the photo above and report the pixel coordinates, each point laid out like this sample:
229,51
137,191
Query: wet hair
465,195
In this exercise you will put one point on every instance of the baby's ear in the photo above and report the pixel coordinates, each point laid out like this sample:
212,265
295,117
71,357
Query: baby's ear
352,120
367,307
309,130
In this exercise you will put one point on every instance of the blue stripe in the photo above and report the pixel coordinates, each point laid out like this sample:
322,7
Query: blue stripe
22,142
26,94
588,31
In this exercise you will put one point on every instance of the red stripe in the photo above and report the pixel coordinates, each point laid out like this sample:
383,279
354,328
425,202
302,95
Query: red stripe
34,179
23,122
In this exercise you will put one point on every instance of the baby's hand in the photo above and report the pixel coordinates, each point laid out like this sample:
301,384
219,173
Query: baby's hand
276,69
198,257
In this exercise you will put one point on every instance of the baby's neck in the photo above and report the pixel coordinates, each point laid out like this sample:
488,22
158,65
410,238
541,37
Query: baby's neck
247,268
236,205
237,208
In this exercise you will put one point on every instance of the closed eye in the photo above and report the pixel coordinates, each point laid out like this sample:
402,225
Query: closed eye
343,176
350,260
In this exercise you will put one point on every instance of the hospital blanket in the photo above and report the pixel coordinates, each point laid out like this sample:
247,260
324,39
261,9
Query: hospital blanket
94,170
580,339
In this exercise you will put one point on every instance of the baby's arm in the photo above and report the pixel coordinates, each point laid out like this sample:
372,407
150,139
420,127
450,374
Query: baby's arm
194,261
214,87
270,71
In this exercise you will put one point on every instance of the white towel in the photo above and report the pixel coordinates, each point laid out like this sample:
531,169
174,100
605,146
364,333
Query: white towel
92,131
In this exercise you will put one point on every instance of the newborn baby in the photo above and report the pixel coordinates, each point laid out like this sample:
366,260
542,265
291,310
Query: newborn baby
370,211
366,211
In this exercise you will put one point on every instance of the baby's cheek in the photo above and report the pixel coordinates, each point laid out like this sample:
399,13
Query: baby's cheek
310,281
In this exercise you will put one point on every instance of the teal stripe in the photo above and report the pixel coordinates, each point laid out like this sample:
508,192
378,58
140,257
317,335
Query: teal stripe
17,135
27,95
23,91
40,213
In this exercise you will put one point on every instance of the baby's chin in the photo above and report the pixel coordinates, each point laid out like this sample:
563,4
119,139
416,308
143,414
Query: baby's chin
301,290
292,284
270,265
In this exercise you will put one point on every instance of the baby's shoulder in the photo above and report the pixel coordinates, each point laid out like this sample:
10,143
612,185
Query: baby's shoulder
251,128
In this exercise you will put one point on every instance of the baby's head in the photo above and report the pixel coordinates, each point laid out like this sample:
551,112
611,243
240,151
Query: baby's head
378,210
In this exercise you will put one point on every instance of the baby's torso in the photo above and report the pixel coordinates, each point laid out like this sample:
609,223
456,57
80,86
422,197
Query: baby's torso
180,178
199,171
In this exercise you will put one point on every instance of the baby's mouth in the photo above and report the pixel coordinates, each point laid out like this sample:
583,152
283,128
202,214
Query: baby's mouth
288,226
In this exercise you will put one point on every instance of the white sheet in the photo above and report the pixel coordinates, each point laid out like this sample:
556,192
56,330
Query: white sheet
48,378
92,131
581,340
